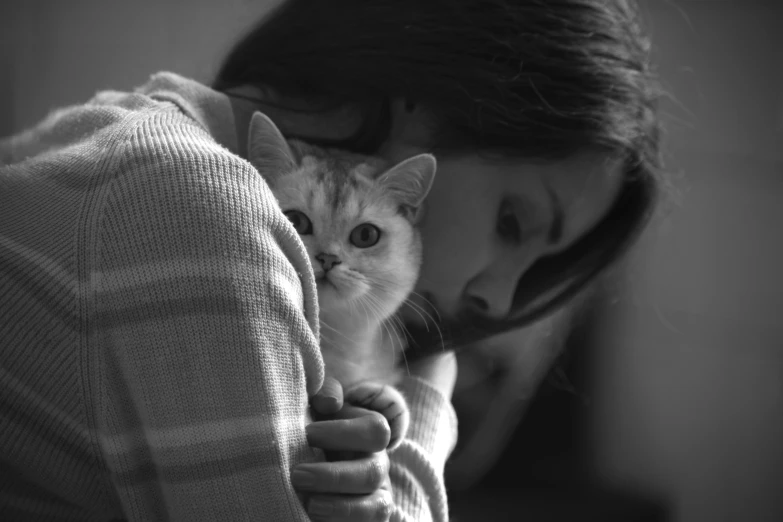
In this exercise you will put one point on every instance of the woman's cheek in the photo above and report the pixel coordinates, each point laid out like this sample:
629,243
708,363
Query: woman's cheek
445,272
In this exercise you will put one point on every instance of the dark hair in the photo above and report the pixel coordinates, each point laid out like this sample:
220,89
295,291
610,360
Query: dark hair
538,79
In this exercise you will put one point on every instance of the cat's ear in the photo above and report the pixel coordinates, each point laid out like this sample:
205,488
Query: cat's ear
267,149
410,180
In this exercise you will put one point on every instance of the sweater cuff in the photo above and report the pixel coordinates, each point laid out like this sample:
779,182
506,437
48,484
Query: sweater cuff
433,423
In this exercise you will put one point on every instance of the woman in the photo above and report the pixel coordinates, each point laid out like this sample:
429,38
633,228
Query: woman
137,239
543,118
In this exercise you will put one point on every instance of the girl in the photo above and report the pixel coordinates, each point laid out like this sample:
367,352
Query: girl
142,370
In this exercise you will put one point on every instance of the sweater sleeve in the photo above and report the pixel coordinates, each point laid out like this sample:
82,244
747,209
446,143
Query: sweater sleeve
205,337
206,342
417,464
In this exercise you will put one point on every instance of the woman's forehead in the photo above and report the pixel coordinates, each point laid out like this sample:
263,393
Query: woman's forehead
582,187
574,169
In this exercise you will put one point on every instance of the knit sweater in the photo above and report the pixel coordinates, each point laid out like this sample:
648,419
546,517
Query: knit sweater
159,325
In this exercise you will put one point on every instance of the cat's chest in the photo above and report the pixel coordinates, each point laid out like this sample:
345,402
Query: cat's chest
354,356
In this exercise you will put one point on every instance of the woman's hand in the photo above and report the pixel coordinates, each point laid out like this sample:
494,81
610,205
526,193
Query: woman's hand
354,483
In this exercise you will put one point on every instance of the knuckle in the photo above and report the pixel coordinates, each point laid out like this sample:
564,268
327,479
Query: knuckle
383,458
379,430
384,508
376,474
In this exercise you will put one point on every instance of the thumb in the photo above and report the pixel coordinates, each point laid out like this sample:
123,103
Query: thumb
329,399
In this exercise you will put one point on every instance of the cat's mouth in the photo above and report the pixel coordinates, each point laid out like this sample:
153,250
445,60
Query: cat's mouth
342,285
322,279
329,283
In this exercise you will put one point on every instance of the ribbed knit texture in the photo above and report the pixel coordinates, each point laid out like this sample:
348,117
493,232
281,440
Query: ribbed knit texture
158,325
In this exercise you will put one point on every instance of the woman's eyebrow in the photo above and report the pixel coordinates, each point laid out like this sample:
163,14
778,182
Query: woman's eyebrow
556,229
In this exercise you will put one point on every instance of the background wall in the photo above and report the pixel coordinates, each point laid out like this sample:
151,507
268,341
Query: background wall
691,372
6,73
62,52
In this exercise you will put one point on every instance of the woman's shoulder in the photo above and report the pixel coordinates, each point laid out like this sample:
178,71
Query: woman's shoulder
122,152
177,195
168,130
96,128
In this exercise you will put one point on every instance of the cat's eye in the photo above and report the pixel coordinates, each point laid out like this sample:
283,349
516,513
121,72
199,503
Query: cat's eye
365,235
300,222
508,227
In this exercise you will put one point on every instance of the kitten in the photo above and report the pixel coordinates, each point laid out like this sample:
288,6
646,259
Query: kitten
356,216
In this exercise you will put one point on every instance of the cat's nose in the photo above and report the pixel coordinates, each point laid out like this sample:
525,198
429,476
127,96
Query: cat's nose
328,261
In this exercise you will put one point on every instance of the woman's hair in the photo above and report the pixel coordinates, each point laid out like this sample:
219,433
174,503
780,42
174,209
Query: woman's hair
531,79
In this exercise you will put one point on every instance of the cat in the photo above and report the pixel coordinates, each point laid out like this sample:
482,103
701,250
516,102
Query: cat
356,216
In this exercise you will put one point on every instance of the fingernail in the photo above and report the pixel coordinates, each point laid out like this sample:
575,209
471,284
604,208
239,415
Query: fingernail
302,479
316,429
320,508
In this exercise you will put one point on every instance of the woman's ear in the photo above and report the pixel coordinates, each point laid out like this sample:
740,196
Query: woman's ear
410,181
267,149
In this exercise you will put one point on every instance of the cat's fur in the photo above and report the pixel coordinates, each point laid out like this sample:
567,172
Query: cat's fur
359,287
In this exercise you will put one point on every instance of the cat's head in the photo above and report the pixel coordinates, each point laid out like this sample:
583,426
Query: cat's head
355,215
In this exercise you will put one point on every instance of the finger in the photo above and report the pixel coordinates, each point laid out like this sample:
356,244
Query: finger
353,477
351,411
375,507
358,430
329,398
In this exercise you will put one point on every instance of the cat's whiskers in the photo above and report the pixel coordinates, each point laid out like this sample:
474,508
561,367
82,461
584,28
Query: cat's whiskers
374,303
388,286
335,330
426,317
372,306
352,307
395,319
420,312
412,306
392,336
367,302
367,313
427,301
419,309
432,306
397,329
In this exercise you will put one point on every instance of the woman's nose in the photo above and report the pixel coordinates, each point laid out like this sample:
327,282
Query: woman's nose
490,299
476,304
491,293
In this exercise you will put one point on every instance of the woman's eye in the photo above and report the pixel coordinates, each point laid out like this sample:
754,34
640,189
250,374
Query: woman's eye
365,235
301,222
508,224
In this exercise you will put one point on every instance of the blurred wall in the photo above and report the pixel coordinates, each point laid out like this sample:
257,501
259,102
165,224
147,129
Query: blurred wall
6,73
690,377
64,51
690,394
